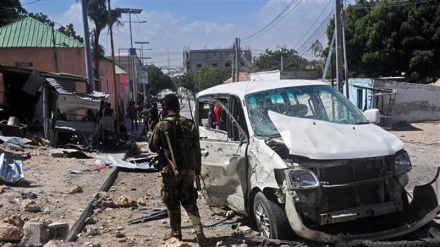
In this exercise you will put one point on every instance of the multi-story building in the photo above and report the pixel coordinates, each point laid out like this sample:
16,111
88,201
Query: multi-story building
193,60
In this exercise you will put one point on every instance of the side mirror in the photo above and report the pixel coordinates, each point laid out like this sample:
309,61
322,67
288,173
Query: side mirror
372,115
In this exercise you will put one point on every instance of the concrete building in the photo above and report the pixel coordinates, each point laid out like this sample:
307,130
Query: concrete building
123,60
193,60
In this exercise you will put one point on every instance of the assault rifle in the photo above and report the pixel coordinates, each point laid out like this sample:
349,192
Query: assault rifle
169,153
200,189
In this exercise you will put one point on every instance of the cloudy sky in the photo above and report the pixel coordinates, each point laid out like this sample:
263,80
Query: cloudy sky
171,26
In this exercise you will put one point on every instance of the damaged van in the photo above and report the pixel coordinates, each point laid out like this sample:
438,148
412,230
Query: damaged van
298,158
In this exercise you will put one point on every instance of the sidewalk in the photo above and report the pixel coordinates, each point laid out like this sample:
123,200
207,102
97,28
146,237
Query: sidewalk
138,133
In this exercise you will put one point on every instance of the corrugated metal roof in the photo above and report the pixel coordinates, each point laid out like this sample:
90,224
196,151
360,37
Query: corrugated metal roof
29,32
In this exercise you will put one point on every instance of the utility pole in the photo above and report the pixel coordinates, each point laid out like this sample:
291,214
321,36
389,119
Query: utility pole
115,84
338,29
233,63
132,50
281,48
347,94
87,52
237,53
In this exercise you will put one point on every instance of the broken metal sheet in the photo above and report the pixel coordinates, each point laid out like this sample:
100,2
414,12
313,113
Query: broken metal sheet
33,83
11,171
15,140
78,126
115,162
70,101
150,214
317,139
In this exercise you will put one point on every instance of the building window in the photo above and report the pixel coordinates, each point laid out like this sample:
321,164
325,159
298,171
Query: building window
214,65
199,65
227,65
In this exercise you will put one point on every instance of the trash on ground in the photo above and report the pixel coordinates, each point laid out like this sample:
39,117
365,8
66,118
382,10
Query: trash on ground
115,162
11,171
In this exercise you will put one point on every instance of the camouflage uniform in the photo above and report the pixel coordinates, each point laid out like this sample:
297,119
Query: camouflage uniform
179,190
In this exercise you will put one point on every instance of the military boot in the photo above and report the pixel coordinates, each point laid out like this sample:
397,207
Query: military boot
175,224
201,239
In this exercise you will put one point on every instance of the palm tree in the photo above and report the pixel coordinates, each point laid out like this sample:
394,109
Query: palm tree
316,48
102,17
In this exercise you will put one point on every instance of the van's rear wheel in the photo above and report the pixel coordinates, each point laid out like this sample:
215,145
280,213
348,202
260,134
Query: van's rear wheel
270,218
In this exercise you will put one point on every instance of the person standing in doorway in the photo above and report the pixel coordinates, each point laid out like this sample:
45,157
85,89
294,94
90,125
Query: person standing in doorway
132,114
178,136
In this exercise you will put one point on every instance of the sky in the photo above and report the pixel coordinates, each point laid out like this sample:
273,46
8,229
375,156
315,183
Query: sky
172,26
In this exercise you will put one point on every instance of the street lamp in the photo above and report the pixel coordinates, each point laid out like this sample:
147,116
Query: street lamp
132,50
144,86
280,48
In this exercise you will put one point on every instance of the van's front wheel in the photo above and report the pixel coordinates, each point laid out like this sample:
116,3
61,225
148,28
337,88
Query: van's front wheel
270,218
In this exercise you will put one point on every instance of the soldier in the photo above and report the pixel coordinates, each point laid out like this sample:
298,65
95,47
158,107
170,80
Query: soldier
178,136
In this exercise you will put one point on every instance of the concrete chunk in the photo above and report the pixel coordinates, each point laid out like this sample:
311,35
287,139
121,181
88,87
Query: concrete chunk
58,230
35,234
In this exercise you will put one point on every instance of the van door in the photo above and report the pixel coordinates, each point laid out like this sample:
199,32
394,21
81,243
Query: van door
224,155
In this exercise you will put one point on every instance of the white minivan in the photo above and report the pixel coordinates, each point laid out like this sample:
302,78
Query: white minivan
298,158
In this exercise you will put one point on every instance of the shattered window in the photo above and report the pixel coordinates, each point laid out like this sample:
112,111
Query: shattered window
313,102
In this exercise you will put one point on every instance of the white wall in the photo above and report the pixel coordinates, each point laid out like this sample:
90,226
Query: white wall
415,102
265,76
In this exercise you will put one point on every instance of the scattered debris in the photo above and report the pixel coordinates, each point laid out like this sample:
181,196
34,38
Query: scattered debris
115,162
11,170
73,153
30,206
174,242
15,140
40,140
150,214
73,189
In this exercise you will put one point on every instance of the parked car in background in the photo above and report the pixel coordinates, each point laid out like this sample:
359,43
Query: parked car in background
299,158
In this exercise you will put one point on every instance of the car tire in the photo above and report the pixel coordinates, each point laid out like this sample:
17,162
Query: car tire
270,218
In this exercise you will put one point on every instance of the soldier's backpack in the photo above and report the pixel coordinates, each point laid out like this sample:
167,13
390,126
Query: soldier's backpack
184,139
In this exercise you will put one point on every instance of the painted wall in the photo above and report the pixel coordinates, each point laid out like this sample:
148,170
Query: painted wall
282,75
68,60
360,97
265,76
414,102
301,74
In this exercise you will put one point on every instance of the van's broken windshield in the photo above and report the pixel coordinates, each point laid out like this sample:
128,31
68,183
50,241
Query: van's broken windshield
312,102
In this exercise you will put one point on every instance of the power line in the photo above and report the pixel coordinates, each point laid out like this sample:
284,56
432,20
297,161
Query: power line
272,23
322,12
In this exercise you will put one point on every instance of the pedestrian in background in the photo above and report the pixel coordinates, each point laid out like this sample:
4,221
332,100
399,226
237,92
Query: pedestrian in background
132,114
178,136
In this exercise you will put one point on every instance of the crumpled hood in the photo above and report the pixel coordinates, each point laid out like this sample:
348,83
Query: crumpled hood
323,140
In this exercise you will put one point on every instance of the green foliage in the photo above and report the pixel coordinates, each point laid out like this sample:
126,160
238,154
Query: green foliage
41,17
10,11
185,81
158,81
391,38
70,31
271,60
210,76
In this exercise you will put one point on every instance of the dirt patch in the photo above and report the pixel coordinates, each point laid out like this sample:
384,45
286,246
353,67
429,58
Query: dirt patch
55,181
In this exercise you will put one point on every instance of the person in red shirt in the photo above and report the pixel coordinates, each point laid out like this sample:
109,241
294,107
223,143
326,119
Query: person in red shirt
218,118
